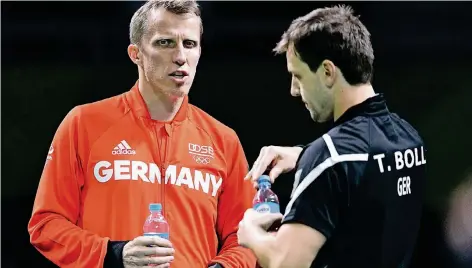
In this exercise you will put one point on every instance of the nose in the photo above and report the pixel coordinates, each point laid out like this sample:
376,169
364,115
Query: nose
180,58
295,92
294,89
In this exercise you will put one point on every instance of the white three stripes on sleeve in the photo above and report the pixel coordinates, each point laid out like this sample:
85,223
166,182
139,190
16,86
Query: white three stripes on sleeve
316,172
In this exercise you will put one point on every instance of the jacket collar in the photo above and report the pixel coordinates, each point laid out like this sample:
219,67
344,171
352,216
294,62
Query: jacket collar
373,106
139,107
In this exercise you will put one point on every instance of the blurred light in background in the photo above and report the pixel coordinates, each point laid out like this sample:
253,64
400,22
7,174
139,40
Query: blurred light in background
458,222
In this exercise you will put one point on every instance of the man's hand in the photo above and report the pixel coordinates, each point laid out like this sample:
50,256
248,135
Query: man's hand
255,223
278,159
146,251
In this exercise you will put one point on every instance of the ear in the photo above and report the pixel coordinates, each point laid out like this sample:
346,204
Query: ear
135,54
328,72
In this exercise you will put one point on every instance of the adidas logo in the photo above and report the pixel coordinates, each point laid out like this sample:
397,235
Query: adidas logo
123,148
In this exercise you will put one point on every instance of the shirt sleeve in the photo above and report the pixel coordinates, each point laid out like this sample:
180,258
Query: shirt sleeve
318,206
322,188
235,199
53,225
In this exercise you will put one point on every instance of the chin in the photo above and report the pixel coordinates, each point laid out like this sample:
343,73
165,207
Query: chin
179,92
319,118
314,117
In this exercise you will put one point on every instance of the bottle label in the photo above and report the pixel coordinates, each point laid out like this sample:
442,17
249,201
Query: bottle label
162,235
267,207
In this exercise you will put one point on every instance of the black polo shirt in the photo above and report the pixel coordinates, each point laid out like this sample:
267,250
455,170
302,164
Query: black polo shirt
361,186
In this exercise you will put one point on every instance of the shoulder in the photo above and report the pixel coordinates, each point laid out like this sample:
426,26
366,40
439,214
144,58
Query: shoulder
218,131
313,154
344,143
91,120
224,140
109,108
408,128
351,137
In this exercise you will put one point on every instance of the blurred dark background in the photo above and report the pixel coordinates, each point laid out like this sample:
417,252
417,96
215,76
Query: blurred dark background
56,55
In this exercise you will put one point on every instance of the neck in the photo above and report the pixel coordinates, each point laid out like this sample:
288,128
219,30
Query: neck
161,106
349,96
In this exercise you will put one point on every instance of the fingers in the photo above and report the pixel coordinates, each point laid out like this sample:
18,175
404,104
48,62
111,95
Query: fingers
252,173
266,156
261,218
152,241
161,260
274,217
165,265
141,251
148,250
253,219
158,251
275,172
148,261
270,219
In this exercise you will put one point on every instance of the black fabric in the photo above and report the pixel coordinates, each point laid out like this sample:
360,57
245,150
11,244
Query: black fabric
114,257
351,186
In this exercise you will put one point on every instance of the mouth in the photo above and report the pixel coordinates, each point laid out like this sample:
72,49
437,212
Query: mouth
179,74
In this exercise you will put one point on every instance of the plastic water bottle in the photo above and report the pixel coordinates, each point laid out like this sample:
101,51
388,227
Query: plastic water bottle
155,224
265,201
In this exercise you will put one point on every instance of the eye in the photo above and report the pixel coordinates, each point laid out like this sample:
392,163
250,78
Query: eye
190,44
164,42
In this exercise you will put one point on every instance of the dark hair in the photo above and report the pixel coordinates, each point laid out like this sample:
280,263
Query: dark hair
334,34
139,21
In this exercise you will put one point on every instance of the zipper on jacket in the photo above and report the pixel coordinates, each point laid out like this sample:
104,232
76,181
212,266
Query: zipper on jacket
157,146
168,129
162,136
168,136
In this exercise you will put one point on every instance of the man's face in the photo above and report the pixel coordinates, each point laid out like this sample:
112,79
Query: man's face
170,50
318,98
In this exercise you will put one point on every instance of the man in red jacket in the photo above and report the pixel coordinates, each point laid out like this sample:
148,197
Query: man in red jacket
110,159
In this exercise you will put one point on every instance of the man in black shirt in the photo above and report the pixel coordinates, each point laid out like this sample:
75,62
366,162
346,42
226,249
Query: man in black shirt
356,199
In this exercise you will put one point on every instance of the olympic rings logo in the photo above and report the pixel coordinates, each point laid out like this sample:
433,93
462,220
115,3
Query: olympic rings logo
201,159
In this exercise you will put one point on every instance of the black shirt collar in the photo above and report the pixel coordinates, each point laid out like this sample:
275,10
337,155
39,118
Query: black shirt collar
373,106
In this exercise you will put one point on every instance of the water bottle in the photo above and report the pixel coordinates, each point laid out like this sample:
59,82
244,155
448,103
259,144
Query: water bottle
155,223
265,201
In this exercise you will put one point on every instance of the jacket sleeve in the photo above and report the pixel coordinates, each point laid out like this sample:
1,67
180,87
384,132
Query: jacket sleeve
53,226
235,199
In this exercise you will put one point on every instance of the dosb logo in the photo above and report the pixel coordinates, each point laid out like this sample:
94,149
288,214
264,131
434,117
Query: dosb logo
263,208
123,151
199,149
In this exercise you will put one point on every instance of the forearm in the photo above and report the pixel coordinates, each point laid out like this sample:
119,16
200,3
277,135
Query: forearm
233,255
66,244
264,247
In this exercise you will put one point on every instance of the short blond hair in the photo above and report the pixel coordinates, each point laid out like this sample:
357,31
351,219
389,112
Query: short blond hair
139,21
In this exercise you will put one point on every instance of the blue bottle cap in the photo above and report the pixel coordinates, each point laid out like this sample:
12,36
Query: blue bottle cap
155,207
263,179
